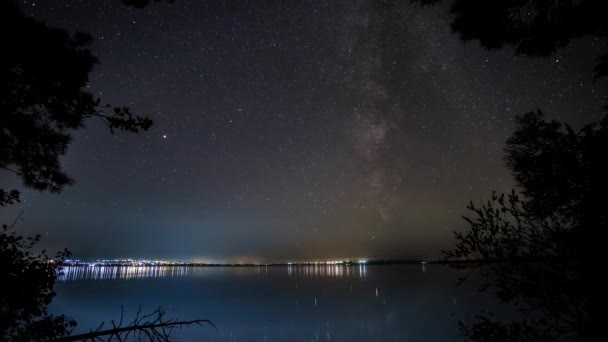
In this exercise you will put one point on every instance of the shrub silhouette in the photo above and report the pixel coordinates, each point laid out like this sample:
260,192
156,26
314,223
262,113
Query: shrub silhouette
540,247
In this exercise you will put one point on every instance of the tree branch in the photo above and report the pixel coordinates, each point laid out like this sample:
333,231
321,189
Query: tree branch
151,326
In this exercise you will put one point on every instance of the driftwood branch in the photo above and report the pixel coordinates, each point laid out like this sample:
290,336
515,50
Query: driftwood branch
151,327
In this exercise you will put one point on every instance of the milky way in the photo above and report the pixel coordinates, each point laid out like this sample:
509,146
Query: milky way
292,129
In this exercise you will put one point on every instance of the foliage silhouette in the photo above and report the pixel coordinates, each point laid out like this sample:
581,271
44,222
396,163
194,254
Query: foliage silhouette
540,249
532,27
43,100
8,197
27,289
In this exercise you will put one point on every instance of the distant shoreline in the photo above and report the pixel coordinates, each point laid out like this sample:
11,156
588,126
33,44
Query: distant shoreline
137,263
455,263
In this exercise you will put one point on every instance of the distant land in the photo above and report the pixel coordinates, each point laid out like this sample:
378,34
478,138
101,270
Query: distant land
154,263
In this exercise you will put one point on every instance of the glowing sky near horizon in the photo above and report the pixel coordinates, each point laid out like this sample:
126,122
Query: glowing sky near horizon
292,129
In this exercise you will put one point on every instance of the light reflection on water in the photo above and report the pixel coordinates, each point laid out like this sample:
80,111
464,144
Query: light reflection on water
347,271
72,273
299,303
121,272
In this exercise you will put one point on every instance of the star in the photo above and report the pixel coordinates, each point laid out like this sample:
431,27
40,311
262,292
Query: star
316,132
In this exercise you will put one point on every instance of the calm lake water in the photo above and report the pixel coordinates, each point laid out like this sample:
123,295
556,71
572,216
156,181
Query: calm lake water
279,303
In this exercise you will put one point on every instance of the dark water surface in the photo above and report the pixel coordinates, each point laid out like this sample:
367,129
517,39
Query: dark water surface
280,303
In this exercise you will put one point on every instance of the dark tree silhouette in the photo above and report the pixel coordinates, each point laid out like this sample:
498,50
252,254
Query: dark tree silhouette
27,289
532,27
541,248
8,197
43,100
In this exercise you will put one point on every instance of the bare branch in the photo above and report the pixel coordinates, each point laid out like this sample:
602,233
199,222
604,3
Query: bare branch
12,225
152,326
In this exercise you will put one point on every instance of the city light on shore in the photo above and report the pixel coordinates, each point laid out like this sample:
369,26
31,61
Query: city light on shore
144,262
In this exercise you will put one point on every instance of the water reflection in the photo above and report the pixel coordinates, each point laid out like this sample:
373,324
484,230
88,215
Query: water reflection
356,271
71,273
121,272
299,303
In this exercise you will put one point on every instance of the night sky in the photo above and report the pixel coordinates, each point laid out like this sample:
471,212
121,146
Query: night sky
292,130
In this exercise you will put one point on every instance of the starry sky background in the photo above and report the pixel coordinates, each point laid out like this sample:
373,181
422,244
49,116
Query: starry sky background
292,130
